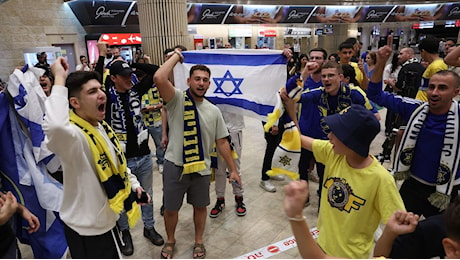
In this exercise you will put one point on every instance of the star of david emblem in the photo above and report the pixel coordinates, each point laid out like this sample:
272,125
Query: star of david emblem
285,160
228,77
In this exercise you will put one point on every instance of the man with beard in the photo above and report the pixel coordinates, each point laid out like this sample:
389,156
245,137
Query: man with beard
428,155
195,126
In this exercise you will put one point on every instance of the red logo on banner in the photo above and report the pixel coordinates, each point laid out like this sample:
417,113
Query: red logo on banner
273,249
122,38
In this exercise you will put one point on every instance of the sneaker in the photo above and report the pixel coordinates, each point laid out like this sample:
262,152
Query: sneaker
386,158
153,236
160,168
267,185
240,207
277,177
220,205
379,157
162,210
127,247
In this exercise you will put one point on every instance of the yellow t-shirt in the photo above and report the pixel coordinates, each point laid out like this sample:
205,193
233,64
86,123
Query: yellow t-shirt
359,73
353,203
432,68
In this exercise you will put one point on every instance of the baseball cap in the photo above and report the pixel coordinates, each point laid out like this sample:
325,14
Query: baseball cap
356,127
120,68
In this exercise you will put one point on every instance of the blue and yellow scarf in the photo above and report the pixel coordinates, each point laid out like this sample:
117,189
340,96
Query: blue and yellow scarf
193,154
114,178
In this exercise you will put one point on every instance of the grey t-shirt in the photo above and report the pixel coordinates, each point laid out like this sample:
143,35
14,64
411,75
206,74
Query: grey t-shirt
212,127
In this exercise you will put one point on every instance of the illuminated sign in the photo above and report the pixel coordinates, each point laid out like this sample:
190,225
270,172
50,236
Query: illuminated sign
122,38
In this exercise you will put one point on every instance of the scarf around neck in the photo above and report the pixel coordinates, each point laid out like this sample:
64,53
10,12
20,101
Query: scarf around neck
343,101
119,124
449,163
193,154
114,177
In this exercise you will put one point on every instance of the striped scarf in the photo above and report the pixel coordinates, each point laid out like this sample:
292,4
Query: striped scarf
113,176
448,165
193,154
343,101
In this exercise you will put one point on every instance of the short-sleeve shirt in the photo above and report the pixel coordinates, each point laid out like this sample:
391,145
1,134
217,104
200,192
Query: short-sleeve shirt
212,127
353,203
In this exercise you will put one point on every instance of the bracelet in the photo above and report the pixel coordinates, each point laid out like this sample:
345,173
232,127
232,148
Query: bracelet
298,219
178,53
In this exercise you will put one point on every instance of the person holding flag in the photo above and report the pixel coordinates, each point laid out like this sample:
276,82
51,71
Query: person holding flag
199,123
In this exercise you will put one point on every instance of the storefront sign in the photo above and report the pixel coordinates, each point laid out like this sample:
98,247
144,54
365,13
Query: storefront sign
267,33
122,38
207,13
376,14
120,13
297,14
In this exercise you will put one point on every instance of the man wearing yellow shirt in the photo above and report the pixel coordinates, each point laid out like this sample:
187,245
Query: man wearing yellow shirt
429,51
345,52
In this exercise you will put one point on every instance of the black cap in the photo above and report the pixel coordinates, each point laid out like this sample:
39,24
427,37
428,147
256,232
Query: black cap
120,68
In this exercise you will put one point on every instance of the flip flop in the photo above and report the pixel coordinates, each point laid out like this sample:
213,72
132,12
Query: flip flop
199,252
168,252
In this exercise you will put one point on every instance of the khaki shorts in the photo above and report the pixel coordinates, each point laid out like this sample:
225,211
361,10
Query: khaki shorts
174,188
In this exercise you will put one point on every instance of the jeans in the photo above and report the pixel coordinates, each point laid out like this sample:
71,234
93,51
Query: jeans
142,167
272,143
156,132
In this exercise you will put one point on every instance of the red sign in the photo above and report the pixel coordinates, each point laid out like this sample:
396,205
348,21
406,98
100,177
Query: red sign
273,249
122,38
267,33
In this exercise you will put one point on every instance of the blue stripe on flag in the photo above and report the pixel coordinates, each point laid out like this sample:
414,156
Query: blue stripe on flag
232,59
49,241
259,109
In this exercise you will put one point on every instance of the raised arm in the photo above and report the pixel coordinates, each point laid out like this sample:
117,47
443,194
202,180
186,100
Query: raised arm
165,87
383,54
296,194
399,223
453,58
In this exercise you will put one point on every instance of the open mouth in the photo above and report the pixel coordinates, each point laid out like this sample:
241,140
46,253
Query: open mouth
101,108
43,85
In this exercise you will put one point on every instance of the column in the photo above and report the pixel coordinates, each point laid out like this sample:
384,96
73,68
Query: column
162,24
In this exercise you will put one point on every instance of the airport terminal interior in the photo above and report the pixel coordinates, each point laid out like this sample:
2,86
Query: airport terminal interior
230,236
264,232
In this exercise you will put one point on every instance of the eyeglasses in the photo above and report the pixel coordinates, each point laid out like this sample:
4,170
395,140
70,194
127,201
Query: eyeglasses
330,76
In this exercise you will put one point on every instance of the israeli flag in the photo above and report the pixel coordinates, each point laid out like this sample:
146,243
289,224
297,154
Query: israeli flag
28,100
242,81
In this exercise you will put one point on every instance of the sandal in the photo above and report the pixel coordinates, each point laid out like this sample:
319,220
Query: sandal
168,252
199,252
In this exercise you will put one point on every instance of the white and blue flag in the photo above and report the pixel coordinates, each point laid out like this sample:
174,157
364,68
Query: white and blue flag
26,161
242,81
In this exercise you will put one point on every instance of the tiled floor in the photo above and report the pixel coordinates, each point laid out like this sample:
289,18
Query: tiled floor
230,236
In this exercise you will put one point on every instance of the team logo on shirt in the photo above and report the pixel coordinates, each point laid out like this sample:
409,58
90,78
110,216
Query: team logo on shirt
340,195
